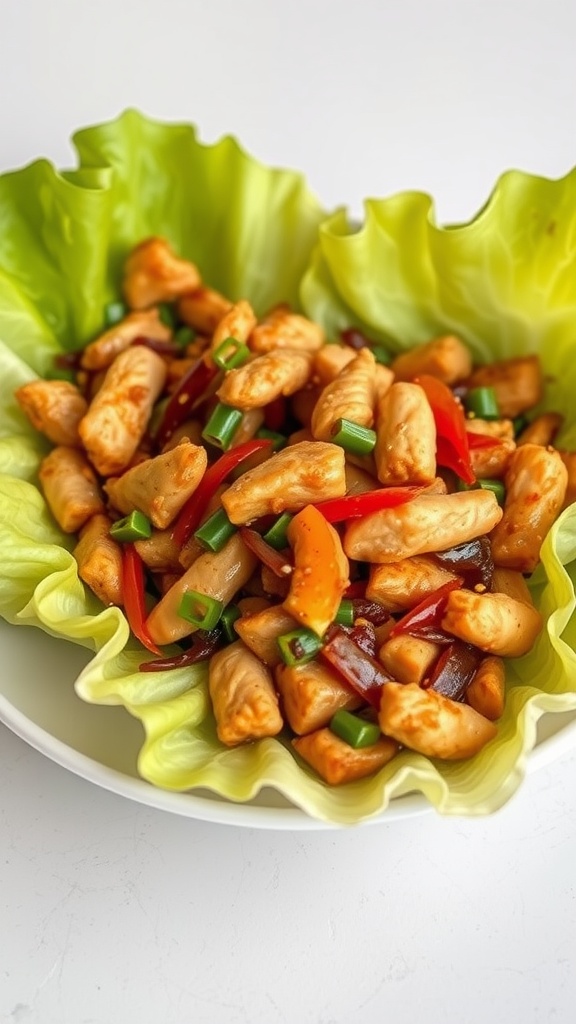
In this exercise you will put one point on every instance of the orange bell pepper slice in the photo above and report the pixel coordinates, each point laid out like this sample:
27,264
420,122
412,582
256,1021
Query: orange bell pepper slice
320,574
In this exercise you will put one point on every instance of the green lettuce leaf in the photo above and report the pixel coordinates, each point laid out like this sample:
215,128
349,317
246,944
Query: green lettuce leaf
506,283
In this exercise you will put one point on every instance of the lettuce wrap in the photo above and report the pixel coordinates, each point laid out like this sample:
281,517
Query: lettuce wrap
506,283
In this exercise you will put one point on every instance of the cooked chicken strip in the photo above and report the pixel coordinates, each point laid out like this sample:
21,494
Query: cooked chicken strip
569,460
495,623
542,430
153,273
54,407
99,354
260,632
492,463
432,724
535,482
329,360
243,698
351,395
512,583
408,659
400,585
299,475
160,552
405,450
160,486
486,691
215,574
503,430
518,383
99,560
446,358
238,322
430,522
281,372
311,694
284,329
203,309
337,762
117,418
70,488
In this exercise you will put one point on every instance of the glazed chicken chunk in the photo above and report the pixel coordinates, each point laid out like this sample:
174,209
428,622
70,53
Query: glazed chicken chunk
55,408
243,696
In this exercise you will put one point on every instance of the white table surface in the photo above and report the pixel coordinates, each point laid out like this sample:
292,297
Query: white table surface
111,911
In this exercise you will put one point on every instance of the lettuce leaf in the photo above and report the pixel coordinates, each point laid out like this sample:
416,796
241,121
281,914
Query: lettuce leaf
505,282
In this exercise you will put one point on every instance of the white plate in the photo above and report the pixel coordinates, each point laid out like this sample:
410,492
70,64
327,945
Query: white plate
101,744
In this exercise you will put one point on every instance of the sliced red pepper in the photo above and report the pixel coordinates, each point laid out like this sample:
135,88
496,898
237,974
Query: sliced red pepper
352,506
362,672
134,601
424,620
189,390
203,646
452,448
275,560
370,610
193,510
455,670
481,440
472,560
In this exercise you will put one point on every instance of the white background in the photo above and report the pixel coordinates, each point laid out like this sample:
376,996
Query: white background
110,911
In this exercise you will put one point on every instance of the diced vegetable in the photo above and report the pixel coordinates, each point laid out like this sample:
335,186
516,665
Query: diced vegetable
222,426
214,533
352,506
353,437
362,672
230,354
320,574
229,616
277,562
277,535
134,599
203,646
192,386
455,670
355,731
482,402
424,620
114,312
452,441
200,609
135,526
299,646
345,614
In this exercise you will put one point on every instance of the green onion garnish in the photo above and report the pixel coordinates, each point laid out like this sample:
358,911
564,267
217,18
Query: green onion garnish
184,335
135,526
114,312
167,314
199,609
217,529
222,426
278,440
356,732
519,424
482,402
497,488
353,438
277,535
345,613
381,355
229,616
299,646
230,354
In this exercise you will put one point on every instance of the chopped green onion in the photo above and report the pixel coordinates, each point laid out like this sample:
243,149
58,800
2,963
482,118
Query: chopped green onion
497,488
216,531
278,440
519,424
114,312
353,438
345,613
230,354
356,732
200,609
167,315
136,526
184,335
229,616
222,426
482,402
299,646
381,355
277,535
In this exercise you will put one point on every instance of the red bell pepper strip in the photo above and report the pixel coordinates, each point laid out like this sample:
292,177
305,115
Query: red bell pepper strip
481,440
424,620
352,506
133,591
455,670
193,510
362,672
204,645
189,390
370,610
275,560
452,440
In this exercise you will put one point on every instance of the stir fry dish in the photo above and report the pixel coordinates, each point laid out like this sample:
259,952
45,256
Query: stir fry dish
342,535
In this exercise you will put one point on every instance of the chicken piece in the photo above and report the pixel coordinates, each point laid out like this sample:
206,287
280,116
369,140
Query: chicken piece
260,381
330,360
160,486
569,460
190,430
284,329
302,405
337,762
99,354
243,698
358,481
383,380
400,585
486,691
153,273
99,560
55,408
351,395
535,482
446,358
429,522
261,630
165,581
541,430
503,430
203,310
495,623
116,420
311,694
248,427
518,383
160,552
219,574
432,724
492,463
405,451
512,583
408,659
252,605
70,487
272,584
238,322
299,475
